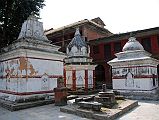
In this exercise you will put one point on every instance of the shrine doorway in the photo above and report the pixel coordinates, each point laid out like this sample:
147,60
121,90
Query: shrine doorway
99,76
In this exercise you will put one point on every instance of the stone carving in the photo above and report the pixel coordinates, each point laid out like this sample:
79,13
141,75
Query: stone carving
79,81
45,82
33,29
129,80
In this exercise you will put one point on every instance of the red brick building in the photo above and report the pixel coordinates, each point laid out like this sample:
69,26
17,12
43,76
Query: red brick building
103,50
89,29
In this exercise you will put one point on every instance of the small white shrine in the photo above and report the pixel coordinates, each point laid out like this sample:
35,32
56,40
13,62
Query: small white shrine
134,69
79,72
31,65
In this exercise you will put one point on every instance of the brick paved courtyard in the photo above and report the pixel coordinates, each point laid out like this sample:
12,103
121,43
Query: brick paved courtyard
147,110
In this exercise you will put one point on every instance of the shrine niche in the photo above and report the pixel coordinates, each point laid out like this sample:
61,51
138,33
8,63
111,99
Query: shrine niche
129,80
78,65
45,82
134,69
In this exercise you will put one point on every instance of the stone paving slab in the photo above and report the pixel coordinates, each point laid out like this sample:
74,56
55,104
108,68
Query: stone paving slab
46,112
147,110
110,114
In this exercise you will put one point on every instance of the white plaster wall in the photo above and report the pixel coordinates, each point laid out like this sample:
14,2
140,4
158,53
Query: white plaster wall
80,78
142,82
69,79
9,75
139,84
47,66
90,79
36,84
30,77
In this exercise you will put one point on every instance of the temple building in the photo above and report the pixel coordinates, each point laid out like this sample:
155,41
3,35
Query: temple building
103,50
78,70
134,70
104,44
30,67
89,30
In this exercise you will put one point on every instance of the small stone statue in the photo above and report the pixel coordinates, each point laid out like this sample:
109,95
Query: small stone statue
104,87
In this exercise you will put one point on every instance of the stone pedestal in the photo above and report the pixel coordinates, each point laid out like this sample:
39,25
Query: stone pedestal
104,87
60,96
106,98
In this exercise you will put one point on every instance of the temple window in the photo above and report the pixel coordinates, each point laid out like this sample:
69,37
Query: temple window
95,49
146,42
117,47
158,40
107,51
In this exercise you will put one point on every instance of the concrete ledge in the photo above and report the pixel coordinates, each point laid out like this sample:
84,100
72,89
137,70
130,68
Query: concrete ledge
13,106
110,114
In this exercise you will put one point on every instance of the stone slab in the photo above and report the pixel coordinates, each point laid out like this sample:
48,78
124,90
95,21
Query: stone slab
123,108
12,106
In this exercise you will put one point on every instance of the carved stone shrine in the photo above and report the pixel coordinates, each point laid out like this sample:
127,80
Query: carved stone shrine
134,70
31,65
79,72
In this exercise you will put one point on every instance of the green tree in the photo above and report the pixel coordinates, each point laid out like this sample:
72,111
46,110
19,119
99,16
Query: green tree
12,15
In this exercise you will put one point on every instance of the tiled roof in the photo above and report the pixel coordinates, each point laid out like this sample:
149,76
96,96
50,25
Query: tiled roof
74,25
122,36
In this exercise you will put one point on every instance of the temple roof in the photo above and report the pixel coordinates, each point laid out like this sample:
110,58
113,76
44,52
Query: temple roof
132,45
77,41
33,29
124,36
77,24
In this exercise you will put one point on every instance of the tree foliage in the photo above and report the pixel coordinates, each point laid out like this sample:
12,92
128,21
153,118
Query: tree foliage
12,15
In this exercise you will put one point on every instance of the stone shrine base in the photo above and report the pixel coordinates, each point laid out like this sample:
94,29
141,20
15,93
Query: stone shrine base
105,113
141,95
13,106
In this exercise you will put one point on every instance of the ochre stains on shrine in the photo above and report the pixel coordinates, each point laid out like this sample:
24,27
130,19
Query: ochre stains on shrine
32,70
17,67
23,64
27,66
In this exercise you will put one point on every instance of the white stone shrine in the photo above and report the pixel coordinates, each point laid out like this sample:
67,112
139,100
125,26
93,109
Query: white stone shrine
134,70
31,65
79,72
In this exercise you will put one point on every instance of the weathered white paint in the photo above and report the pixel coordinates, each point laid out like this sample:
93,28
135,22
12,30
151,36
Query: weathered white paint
32,28
12,77
30,66
144,84
134,69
